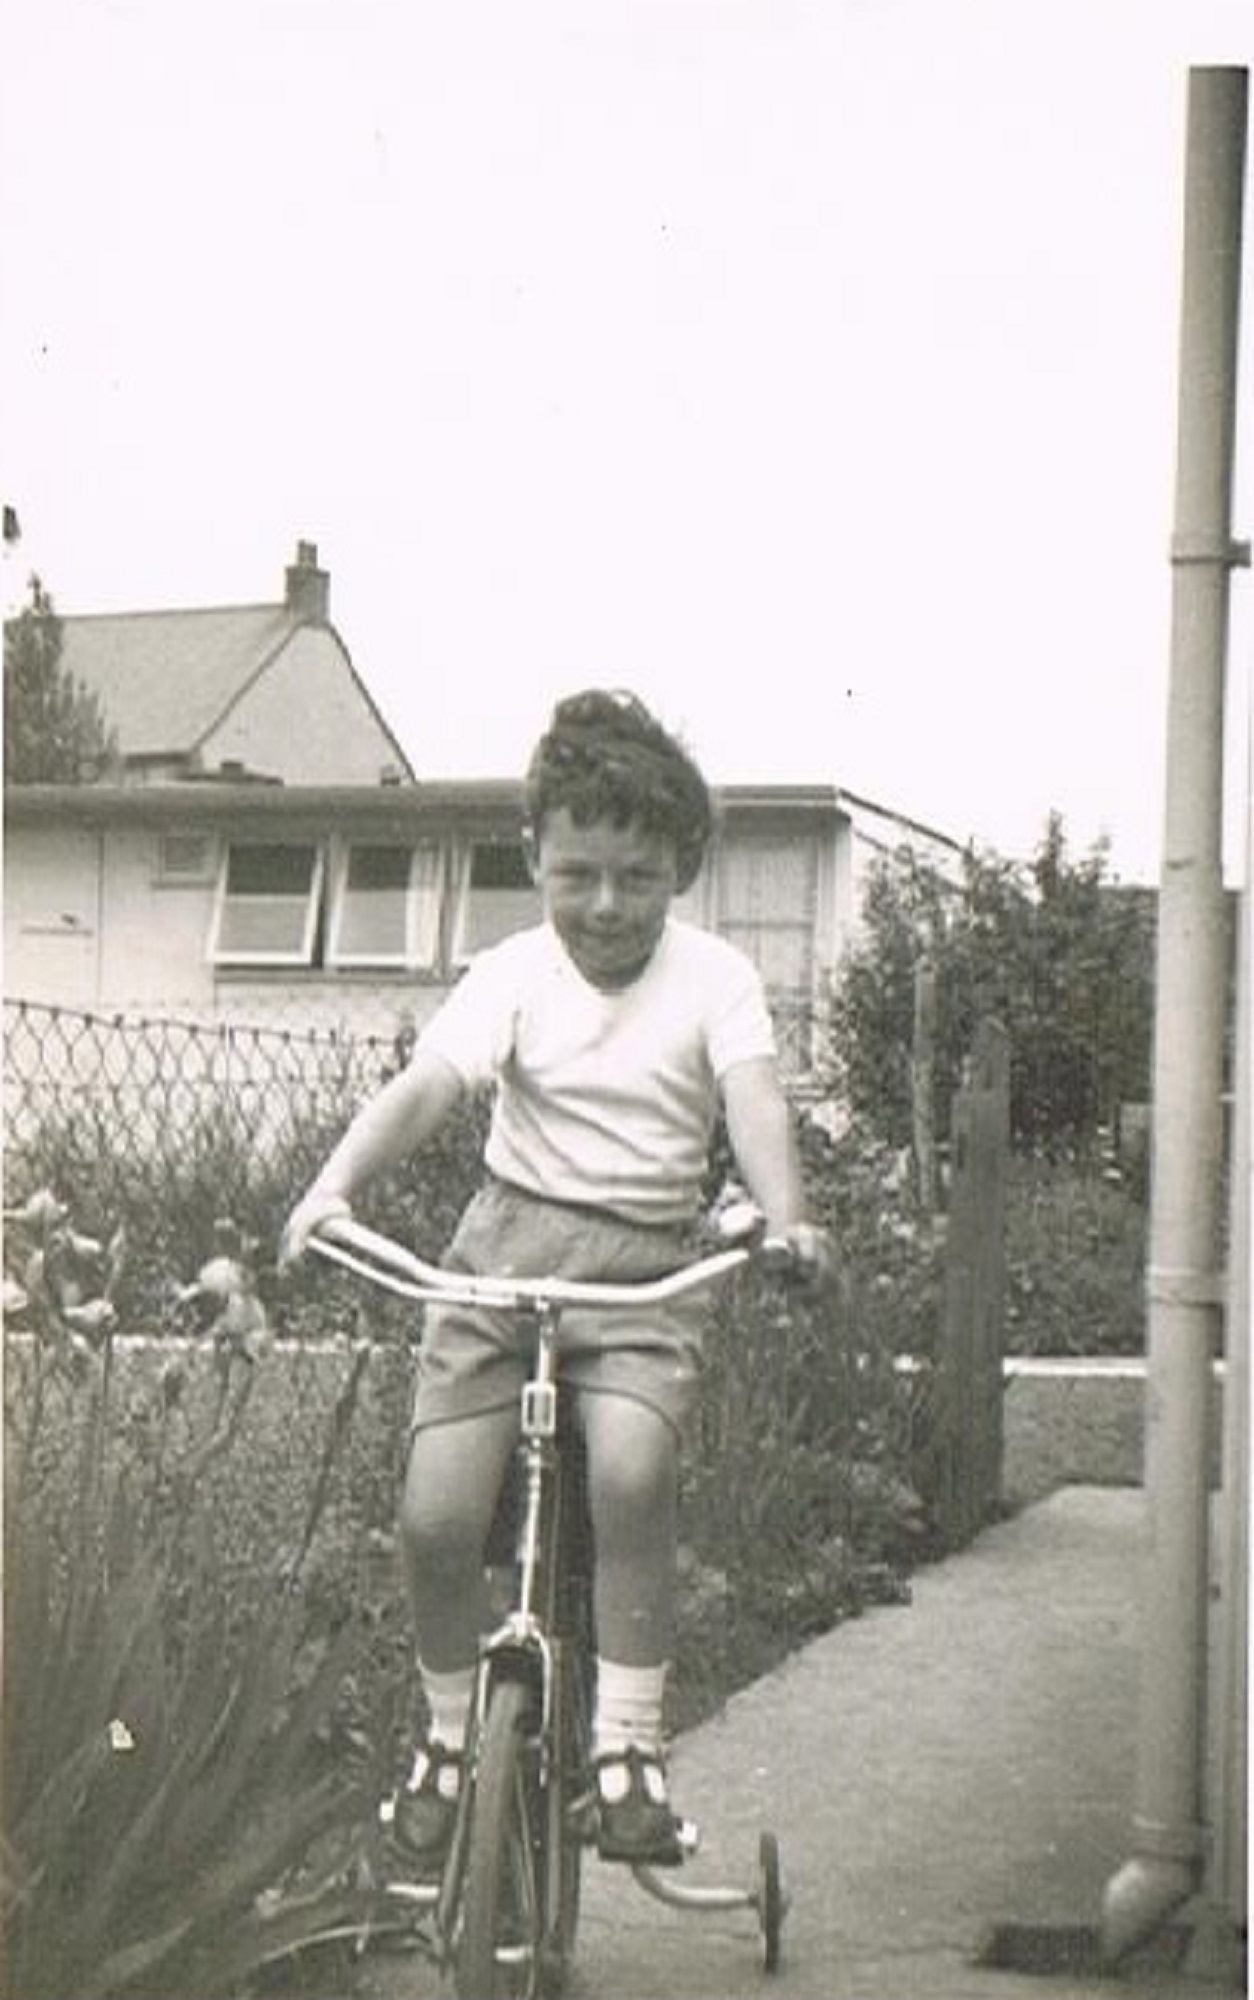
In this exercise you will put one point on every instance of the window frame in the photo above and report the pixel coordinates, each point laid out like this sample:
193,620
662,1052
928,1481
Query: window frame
461,950
411,956
302,955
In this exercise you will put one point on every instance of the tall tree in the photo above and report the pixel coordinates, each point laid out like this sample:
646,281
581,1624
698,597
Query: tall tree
54,730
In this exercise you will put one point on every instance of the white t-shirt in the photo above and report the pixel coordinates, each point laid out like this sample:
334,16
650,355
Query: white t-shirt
604,1098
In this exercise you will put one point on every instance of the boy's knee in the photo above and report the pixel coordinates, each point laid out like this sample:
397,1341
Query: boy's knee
632,1464
435,1540
436,1524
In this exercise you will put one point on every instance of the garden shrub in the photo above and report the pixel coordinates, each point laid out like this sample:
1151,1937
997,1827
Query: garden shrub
1075,1259
177,1808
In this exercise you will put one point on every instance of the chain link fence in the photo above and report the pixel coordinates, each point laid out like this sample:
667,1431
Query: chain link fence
167,1124
146,1082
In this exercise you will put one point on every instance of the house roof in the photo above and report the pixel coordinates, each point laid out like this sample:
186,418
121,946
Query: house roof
858,805
164,678
385,807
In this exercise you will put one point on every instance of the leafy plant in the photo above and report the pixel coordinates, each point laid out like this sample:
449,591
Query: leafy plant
1075,1260
151,1803
801,1500
176,1803
1055,950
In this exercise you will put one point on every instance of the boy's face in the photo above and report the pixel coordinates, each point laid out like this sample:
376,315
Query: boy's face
606,891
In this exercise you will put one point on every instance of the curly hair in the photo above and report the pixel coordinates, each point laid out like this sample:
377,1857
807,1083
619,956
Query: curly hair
605,757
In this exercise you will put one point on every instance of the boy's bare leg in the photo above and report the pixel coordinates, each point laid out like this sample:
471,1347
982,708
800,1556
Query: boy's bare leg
451,1484
451,1487
633,1492
633,1481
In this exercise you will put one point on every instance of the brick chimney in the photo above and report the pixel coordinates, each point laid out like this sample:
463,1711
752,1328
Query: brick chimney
308,587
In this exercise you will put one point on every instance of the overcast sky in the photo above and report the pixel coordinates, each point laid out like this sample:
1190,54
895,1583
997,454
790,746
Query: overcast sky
809,368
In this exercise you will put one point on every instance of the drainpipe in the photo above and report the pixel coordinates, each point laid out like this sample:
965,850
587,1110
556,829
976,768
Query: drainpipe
1184,1291
1230,1761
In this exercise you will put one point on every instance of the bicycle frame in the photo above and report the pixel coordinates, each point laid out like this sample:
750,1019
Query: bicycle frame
528,1646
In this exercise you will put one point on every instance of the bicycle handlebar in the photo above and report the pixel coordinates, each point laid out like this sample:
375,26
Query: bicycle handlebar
342,1241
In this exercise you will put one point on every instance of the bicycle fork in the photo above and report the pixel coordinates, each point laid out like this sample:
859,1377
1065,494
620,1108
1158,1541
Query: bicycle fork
520,1646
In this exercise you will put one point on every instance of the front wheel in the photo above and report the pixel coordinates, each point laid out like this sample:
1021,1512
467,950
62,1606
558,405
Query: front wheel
499,1951
564,1807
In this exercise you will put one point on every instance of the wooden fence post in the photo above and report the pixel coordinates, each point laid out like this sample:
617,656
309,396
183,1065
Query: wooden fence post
973,1327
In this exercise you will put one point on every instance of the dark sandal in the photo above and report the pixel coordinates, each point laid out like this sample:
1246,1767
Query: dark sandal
640,1826
422,1814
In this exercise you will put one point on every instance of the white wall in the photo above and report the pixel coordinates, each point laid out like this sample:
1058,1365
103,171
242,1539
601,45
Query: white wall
52,889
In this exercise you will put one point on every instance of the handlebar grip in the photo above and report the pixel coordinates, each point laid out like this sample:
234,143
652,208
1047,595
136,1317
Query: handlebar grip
778,1255
339,1228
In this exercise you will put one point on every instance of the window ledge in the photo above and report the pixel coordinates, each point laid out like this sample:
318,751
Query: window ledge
329,975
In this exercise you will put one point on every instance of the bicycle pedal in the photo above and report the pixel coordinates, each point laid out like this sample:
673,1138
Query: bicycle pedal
405,1893
688,1834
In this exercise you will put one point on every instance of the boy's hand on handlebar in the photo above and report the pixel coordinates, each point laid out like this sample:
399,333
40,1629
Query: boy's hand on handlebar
309,1214
804,1252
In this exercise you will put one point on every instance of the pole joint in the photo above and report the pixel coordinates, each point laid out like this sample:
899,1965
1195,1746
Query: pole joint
1184,1286
1157,1840
1199,550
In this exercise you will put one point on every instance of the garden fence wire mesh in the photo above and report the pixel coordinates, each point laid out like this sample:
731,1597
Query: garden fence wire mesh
166,1125
147,1080
151,1079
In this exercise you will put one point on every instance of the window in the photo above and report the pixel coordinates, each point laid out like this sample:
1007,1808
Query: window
343,905
499,897
268,902
386,909
372,914
185,858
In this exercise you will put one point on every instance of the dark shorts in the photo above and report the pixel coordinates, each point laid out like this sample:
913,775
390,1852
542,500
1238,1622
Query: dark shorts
473,1360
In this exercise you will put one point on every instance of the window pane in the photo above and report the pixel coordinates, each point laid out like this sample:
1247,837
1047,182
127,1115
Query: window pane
502,897
261,925
373,915
378,868
268,870
499,864
267,910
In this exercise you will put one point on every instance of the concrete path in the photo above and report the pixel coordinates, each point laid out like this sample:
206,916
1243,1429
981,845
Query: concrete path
931,1771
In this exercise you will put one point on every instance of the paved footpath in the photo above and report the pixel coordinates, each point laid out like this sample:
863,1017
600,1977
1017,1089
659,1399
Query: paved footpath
931,1772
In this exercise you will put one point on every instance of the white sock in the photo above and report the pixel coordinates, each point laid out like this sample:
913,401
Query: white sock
628,1708
448,1700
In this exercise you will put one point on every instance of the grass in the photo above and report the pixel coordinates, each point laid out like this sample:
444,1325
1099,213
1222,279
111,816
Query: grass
1075,1260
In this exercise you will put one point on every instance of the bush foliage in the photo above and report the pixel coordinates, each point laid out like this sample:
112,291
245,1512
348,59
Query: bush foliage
1057,952
171,1779
1064,959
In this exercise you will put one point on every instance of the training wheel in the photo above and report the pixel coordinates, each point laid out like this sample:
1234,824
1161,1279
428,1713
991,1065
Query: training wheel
769,1900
